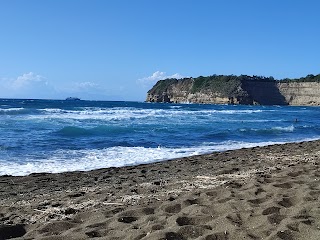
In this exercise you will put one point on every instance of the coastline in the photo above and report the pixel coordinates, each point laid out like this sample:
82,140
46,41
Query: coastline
269,192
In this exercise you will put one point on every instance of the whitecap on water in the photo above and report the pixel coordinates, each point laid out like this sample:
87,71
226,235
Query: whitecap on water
284,129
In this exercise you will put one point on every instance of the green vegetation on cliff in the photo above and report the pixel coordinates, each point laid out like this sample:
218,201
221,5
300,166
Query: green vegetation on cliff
163,85
226,85
308,78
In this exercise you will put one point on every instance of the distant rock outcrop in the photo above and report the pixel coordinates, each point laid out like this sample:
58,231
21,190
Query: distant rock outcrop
249,90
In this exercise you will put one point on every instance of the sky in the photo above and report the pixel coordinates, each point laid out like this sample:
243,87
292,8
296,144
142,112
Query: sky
118,49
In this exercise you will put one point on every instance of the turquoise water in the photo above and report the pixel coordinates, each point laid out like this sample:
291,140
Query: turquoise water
57,136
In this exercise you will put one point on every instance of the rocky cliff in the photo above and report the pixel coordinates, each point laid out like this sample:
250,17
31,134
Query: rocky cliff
301,93
236,90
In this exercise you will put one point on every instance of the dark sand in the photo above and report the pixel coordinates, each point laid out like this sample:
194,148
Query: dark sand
270,192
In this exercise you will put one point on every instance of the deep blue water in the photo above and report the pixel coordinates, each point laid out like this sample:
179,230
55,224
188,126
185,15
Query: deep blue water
56,136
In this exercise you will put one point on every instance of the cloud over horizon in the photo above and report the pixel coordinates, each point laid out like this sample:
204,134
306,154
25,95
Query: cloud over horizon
156,76
85,86
27,79
27,85
32,85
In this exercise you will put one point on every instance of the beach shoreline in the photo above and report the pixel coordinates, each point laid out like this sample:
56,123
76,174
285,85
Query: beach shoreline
269,192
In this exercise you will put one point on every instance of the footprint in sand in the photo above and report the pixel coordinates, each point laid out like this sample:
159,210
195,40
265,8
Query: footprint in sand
127,219
212,194
235,219
147,211
193,232
173,236
11,231
286,185
275,218
286,202
271,210
294,226
157,227
191,201
175,208
286,235
259,191
93,234
218,236
257,201
182,221
295,174
55,228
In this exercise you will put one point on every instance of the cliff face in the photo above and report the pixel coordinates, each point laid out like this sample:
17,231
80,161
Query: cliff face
235,91
301,93
180,92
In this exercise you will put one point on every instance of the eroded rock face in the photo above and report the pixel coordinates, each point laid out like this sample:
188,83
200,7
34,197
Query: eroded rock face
299,94
190,98
248,93
182,91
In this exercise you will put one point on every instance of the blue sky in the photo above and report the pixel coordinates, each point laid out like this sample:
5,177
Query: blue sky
117,49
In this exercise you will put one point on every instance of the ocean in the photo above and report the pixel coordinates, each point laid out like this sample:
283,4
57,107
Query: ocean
57,135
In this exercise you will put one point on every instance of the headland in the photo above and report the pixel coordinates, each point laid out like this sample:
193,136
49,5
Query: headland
243,89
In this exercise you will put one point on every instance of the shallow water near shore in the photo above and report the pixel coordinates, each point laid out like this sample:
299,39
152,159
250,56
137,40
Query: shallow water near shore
57,136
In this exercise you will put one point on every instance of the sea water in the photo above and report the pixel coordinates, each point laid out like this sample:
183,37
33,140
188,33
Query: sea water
57,136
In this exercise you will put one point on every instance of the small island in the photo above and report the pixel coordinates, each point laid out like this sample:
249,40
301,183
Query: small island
72,99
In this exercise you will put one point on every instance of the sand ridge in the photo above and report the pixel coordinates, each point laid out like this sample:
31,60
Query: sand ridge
270,192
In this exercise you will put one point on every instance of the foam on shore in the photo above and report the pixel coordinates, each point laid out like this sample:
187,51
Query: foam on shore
85,160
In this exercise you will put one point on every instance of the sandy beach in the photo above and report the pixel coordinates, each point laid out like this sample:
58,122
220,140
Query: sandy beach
270,192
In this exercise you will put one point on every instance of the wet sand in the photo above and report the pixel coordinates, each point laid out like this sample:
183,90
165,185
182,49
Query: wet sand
270,192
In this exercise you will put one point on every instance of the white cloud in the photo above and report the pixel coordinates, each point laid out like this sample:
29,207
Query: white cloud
83,86
27,79
156,76
32,85
74,87
27,85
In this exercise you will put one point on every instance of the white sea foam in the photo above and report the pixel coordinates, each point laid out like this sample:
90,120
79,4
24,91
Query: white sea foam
84,160
254,120
52,110
62,161
237,111
285,129
116,114
11,109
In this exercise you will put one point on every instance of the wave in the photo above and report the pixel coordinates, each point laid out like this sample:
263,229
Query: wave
284,129
237,111
11,109
130,113
269,130
85,160
254,120
53,110
108,114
